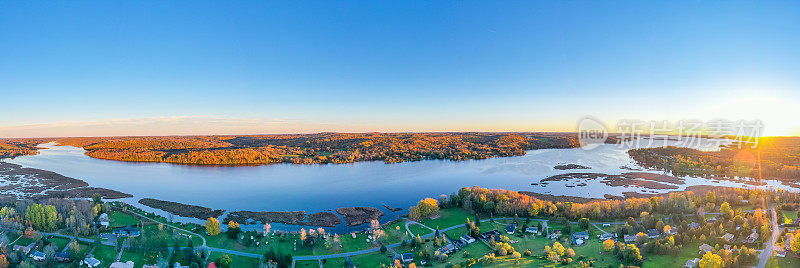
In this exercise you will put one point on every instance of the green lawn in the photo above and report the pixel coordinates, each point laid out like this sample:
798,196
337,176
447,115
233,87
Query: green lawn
449,217
308,264
416,229
334,263
371,259
687,252
236,260
287,244
474,250
136,257
59,241
611,228
106,254
457,232
24,241
121,219
790,214
534,243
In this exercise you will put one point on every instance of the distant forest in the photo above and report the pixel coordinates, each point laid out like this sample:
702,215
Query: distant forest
11,148
780,158
318,148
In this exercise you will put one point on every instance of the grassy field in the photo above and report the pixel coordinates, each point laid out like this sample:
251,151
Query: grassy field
457,232
689,251
474,250
449,217
333,263
59,241
121,219
611,228
534,243
138,258
106,254
236,261
790,214
371,260
308,264
416,229
24,241
287,244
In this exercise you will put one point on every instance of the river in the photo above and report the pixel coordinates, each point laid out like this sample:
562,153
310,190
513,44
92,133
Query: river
316,188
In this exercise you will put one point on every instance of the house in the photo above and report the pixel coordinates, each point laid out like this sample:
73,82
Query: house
532,230
178,265
127,231
37,255
467,239
212,265
751,238
24,249
727,237
407,257
62,257
780,253
580,237
653,233
127,264
511,228
555,234
103,220
705,248
672,231
91,262
491,234
448,249
692,263
694,225
629,238
606,236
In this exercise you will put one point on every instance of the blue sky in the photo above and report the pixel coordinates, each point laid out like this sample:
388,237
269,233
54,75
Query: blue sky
165,67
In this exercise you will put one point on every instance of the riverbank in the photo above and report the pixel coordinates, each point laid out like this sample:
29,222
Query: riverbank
29,183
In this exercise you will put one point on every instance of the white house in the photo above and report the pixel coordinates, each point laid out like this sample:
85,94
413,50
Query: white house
127,264
91,262
37,255
104,220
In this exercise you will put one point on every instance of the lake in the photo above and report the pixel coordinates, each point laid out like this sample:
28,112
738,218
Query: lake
315,188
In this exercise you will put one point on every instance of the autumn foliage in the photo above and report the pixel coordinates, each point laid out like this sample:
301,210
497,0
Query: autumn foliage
318,148
780,158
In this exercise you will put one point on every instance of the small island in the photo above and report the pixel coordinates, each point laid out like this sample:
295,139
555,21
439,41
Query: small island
570,166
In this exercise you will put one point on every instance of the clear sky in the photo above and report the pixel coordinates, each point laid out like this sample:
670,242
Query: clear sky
72,68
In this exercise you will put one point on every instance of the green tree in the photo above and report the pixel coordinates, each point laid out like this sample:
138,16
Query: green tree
224,261
584,223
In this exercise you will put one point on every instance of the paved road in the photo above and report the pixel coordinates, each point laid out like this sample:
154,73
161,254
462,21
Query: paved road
767,252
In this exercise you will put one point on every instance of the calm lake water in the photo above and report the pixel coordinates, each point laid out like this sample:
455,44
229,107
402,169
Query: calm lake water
315,188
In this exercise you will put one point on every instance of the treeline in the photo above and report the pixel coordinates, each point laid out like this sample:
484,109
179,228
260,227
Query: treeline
498,202
318,148
10,148
780,158
76,216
